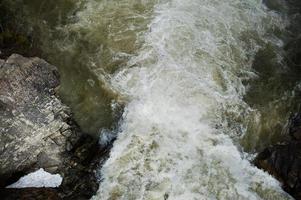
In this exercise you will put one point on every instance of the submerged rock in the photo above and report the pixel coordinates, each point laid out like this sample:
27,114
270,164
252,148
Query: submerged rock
283,160
37,131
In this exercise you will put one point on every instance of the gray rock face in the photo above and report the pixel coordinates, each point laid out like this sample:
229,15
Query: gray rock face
34,129
37,131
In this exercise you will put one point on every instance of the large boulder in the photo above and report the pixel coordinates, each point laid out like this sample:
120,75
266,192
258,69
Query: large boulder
34,129
37,131
283,160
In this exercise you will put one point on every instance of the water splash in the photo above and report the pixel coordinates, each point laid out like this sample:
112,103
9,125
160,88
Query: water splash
184,86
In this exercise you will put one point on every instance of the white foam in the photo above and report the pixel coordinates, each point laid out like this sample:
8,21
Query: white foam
185,87
39,178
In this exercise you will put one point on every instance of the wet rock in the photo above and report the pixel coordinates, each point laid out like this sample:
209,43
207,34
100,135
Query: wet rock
30,117
283,161
81,175
37,131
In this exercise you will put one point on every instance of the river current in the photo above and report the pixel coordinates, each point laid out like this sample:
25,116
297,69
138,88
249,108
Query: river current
190,88
185,95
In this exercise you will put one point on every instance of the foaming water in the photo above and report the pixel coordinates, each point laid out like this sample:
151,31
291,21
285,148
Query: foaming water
87,40
178,135
182,68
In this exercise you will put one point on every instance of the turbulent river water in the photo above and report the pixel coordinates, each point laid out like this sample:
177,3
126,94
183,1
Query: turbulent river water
199,83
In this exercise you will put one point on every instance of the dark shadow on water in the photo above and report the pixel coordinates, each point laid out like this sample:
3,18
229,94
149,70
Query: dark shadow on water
276,92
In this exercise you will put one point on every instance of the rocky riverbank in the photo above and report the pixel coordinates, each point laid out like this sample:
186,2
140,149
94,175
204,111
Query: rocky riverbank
37,131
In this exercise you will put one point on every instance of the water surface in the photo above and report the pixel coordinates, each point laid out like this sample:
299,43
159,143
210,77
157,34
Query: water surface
198,83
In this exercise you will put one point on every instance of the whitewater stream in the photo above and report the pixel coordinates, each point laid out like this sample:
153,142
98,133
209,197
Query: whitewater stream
174,142
195,102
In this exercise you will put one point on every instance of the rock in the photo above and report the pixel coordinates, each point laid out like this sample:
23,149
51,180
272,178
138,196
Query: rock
283,161
82,176
31,117
29,194
37,131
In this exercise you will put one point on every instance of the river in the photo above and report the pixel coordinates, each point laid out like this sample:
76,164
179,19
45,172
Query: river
191,89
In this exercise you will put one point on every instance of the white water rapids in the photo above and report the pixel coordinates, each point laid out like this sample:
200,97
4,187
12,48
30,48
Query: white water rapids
175,141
